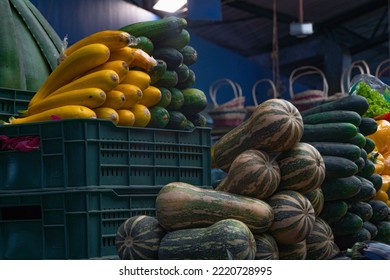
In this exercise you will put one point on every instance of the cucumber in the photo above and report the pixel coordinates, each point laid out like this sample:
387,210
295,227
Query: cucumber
367,126
345,242
190,55
371,228
159,117
333,211
166,97
172,57
358,140
177,41
333,116
337,167
168,79
356,103
198,120
179,121
362,209
360,162
189,82
328,132
157,71
195,101
145,44
380,210
376,181
367,170
349,224
346,150
383,234
369,146
366,192
177,99
156,30
183,72
340,188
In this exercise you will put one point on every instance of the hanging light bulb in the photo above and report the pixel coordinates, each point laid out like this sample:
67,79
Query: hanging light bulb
301,29
169,6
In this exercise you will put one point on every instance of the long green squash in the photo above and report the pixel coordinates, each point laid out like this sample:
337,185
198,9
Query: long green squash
182,206
226,239
275,126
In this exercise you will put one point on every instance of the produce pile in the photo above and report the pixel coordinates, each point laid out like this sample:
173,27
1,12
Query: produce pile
298,185
137,76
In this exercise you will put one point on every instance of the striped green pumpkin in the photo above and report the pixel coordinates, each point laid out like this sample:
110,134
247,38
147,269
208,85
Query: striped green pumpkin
320,243
138,238
316,198
294,217
294,251
181,206
252,174
226,239
275,126
266,247
302,168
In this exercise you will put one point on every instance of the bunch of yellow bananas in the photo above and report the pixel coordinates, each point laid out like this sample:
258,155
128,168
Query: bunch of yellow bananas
94,80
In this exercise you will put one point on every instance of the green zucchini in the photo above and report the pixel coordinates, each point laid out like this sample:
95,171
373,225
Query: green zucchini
145,44
183,72
340,188
159,117
362,209
371,228
168,79
368,169
195,101
166,97
337,167
333,116
366,192
368,126
349,224
369,146
179,121
177,99
383,234
360,162
333,211
359,140
356,103
328,132
157,30
177,41
198,119
376,181
346,150
345,242
190,55
380,210
172,57
189,82
157,71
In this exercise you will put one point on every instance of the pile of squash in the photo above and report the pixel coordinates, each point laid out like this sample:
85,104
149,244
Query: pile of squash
261,210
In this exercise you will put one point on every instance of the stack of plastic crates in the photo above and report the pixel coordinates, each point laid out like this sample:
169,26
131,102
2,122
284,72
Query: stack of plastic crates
66,199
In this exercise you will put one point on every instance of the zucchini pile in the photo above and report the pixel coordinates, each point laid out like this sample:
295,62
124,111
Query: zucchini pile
168,41
339,130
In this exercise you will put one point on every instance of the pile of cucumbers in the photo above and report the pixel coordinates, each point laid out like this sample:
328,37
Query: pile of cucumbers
168,41
338,130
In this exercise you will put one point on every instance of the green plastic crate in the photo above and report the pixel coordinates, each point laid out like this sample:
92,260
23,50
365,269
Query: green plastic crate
91,152
12,101
75,224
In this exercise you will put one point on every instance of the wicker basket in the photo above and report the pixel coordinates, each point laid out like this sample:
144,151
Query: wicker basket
308,98
231,113
346,77
251,109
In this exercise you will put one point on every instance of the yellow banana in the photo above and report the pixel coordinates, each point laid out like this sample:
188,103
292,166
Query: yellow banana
126,117
88,97
132,93
126,54
115,99
119,66
106,80
113,39
151,96
107,113
143,60
73,66
137,78
62,112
